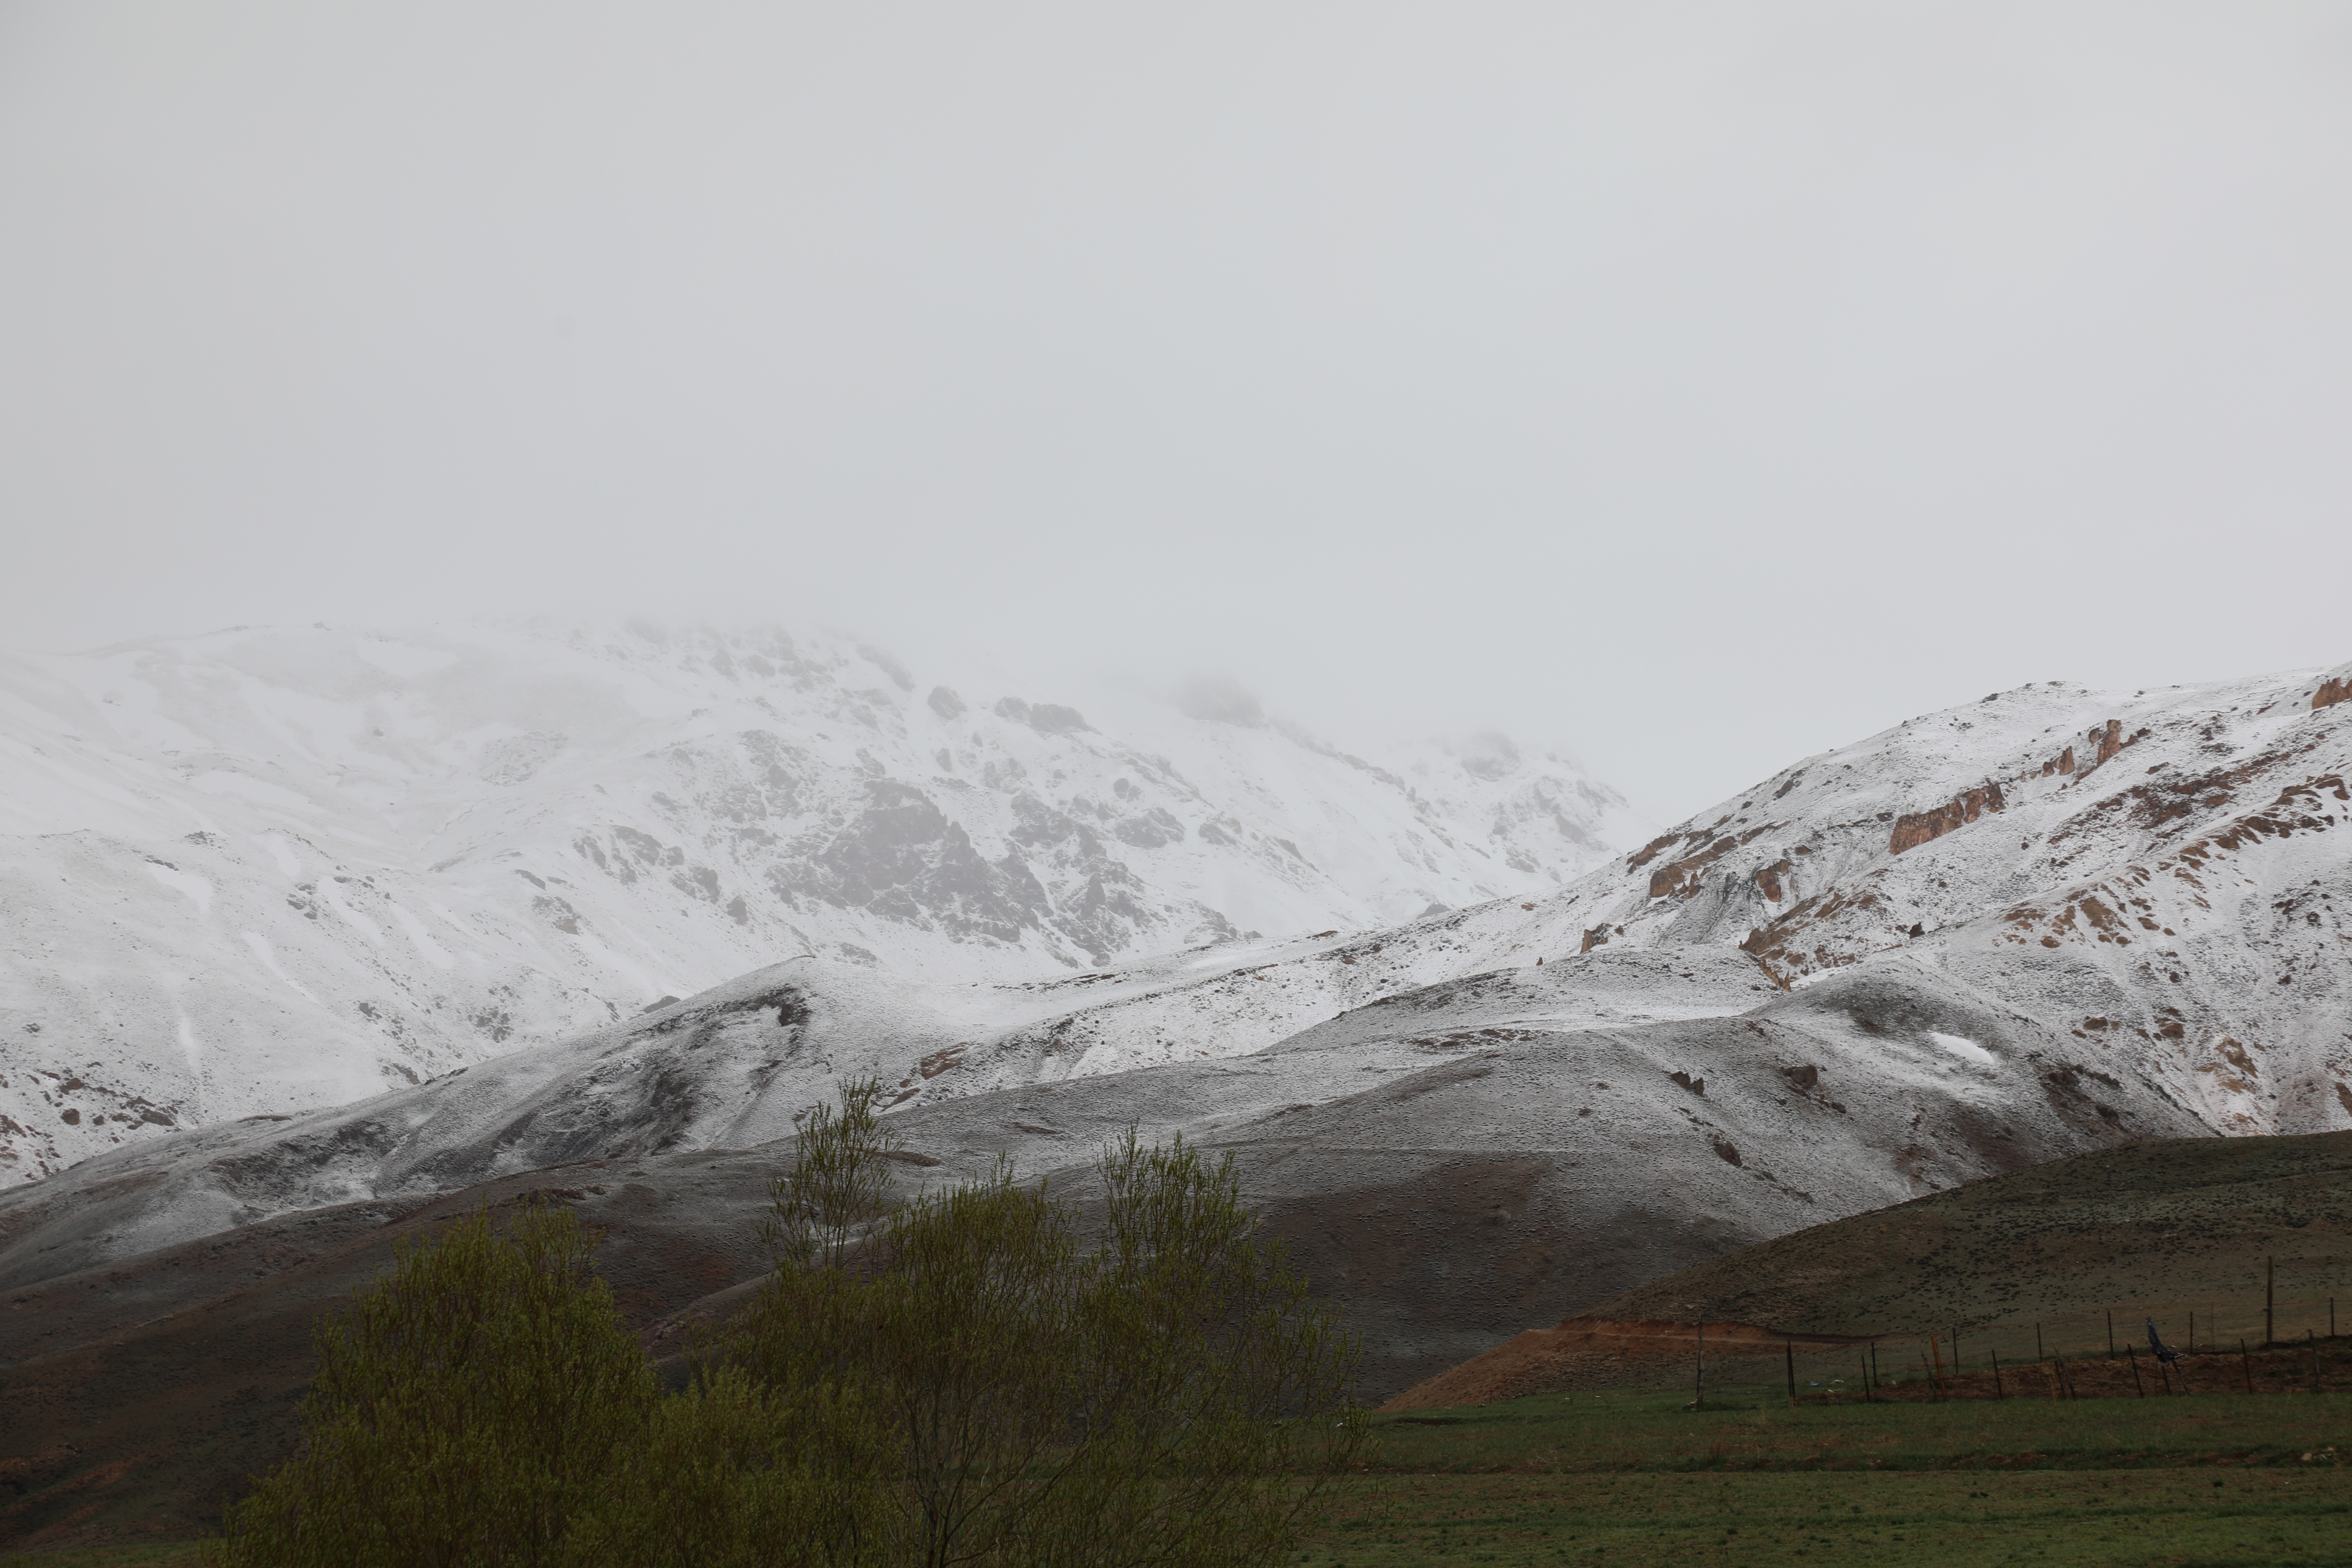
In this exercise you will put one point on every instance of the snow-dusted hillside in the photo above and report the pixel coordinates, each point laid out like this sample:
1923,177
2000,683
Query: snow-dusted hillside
2044,922
2164,874
267,871
1665,1103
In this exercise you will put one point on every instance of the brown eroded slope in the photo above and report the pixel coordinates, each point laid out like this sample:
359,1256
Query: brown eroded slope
1586,1351
2163,1228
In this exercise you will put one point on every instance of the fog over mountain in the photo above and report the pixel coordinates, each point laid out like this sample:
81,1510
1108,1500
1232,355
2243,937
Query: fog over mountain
265,870
1693,385
1582,634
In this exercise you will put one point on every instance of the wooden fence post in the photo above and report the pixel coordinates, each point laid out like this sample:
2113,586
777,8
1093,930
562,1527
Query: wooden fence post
1788,1349
1698,1400
2270,1301
1998,1392
2111,1333
2133,1352
2247,1363
2314,1338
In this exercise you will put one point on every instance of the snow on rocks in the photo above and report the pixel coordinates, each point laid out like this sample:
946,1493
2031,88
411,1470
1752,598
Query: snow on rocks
2019,930
1602,1046
269,870
2164,874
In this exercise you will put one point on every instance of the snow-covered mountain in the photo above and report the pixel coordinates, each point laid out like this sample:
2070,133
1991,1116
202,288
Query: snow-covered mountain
2164,879
265,870
2164,874
2041,923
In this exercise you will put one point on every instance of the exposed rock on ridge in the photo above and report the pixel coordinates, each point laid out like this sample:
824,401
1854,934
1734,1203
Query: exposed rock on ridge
267,871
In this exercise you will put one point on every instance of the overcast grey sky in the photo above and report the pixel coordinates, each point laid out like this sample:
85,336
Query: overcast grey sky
1693,386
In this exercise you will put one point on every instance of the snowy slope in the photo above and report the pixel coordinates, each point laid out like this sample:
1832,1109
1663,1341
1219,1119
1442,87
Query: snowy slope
2048,921
2166,874
267,871
1669,1070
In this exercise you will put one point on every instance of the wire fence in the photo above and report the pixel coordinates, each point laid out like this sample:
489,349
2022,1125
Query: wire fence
2290,1332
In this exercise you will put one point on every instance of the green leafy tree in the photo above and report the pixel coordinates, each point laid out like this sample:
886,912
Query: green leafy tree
465,1409
730,1475
917,1311
838,1185
1169,1397
969,1377
1218,1398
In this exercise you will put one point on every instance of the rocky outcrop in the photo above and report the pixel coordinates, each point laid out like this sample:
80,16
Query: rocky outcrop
900,857
2108,741
1682,876
1915,828
1649,852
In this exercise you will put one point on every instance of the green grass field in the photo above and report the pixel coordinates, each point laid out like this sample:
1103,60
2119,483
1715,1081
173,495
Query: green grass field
2086,1517
1655,1433
1636,1479
172,1554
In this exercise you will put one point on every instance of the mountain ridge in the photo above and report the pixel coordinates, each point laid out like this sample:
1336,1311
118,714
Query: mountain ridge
269,869
1621,1078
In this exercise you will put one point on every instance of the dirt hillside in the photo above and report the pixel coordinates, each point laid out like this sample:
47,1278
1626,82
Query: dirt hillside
2198,1234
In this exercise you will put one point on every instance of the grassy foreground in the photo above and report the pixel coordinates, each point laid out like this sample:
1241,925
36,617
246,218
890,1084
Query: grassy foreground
1636,1478
2088,1517
168,1554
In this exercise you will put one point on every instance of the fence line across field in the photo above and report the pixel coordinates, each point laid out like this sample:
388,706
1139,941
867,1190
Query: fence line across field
1909,1368
2270,1338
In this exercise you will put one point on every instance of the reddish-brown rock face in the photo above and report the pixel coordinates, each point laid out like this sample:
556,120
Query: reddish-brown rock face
2064,763
1682,876
1649,852
2334,689
1920,828
2109,741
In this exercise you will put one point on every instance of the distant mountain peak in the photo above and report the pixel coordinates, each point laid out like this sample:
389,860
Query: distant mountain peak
418,846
